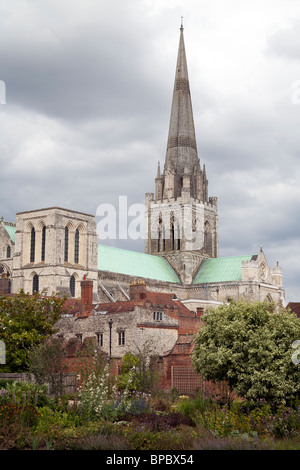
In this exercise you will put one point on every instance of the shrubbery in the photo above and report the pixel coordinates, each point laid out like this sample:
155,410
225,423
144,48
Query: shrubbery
104,416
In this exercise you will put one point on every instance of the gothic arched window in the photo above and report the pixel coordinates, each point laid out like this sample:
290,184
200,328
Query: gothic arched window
159,239
72,286
43,243
32,245
207,239
35,284
8,252
172,237
76,247
66,243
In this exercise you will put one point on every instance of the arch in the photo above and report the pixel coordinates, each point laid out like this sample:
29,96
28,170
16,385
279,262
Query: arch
79,244
32,244
4,269
5,273
175,233
76,246
269,298
172,236
43,243
178,233
207,238
161,239
66,244
68,241
8,251
72,286
35,283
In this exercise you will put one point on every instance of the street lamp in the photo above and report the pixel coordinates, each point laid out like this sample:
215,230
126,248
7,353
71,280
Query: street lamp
110,322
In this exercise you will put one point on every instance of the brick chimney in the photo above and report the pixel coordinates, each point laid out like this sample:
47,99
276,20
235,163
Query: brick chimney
87,296
138,290
200,311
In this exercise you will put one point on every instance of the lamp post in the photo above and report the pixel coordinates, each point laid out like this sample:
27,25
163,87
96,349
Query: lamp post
110,322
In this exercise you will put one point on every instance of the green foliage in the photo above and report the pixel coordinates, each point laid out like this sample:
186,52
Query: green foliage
23,415
140,369
191,407
26,321
25,393
249,346
101,399
55,424
46,363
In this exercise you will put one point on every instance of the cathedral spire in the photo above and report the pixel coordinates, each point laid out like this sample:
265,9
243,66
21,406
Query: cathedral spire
181,146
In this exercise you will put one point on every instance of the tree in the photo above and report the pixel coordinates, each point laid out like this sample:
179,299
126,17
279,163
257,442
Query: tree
46,362
141,368
249,346
26,321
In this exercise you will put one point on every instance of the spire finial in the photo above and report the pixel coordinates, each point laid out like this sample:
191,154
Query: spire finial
181,27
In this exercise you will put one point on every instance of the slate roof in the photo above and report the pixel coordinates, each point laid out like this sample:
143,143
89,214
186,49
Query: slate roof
135,264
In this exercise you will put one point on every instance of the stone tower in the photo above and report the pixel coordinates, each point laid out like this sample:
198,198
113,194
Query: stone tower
181,220
55,249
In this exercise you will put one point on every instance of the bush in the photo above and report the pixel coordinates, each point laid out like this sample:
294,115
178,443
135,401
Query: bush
26,393
190,407
238,442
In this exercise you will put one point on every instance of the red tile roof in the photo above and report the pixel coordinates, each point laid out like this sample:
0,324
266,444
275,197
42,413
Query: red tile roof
151,300
294,307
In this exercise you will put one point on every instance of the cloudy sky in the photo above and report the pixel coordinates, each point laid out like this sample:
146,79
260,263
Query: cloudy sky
88,95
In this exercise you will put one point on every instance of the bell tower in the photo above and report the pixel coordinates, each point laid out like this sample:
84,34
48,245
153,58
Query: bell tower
181,220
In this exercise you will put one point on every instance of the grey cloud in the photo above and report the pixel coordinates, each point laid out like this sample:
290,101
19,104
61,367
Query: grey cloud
89,88
285,42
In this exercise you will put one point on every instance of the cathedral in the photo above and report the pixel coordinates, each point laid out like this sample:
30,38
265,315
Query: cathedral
53,250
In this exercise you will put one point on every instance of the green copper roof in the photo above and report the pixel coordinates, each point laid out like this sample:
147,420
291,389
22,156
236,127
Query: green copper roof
11,232
220,269
135,264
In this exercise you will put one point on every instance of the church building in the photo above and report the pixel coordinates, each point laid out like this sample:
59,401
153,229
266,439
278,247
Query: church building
52,250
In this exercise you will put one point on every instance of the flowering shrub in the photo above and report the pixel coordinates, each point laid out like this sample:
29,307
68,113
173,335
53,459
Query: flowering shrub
8,412
255,419
101,400
27,415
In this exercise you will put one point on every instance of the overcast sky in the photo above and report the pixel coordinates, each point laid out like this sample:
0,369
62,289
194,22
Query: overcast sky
88,96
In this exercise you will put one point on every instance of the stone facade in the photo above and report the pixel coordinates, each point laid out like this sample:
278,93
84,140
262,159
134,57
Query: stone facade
152,318
7,248
54,249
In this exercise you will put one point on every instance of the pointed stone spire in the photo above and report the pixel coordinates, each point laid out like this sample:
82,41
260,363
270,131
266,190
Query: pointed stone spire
158,171
158,184
181,147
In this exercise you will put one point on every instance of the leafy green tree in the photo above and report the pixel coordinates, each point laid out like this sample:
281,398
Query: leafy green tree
249,345
140,368
26,321
46,361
